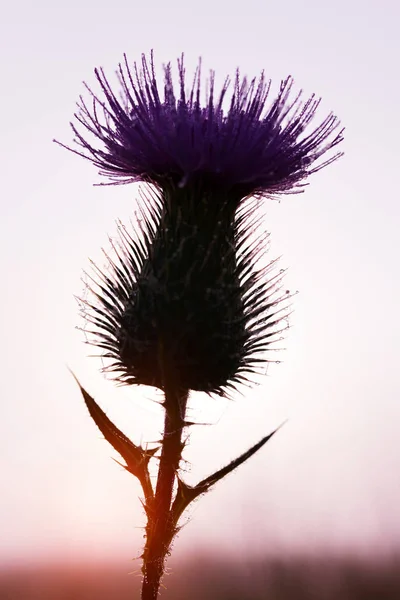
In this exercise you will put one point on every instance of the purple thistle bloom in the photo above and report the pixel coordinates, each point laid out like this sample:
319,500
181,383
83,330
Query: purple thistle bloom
174,141
184,296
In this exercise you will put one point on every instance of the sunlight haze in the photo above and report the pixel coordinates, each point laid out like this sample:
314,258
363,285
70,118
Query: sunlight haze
329,478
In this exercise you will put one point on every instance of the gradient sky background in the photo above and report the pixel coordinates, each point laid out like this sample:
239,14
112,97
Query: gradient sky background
330,478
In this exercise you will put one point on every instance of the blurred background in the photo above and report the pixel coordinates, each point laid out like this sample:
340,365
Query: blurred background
327,485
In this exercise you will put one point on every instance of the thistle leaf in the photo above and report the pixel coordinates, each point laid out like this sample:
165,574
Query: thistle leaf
186,493
136,457
206,483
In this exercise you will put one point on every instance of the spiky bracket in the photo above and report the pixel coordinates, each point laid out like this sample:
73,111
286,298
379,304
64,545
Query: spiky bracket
137,462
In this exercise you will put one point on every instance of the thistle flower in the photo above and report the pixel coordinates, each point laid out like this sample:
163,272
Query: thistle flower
183,304
185,296
175,141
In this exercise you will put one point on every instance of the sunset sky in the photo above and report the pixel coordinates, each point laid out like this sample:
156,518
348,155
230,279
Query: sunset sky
330,477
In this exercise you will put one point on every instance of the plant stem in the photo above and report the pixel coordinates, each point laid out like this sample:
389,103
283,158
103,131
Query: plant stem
160,529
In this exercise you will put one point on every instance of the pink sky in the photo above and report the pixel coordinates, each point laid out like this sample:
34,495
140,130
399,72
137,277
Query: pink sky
330,477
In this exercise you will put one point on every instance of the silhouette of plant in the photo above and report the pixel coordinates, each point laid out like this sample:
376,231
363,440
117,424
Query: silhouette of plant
183,305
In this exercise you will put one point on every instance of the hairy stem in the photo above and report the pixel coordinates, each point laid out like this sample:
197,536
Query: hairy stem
160,527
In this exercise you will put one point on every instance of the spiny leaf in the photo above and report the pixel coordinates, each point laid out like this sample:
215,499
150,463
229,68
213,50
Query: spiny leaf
186,493
206,483
136,457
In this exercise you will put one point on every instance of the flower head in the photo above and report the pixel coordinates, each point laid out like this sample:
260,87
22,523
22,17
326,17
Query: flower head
240,145
184,297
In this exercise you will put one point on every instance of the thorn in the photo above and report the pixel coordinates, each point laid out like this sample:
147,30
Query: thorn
149,451
75,377
119,463
145,507
183,487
